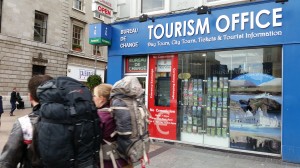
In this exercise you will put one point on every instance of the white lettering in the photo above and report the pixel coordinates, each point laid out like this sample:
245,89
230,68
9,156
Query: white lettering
227,24
169,30
204,27
178,27
251,22
235,20
262,26
190,25
277,15
130,31
150,27
162,31
129,45
244,19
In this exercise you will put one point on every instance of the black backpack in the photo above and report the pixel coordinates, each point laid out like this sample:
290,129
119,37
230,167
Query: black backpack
68,133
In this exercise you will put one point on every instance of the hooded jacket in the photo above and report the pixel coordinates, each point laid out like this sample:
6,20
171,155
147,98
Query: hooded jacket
125,89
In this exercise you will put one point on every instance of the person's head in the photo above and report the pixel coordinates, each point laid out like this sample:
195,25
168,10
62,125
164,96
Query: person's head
101,94
34,83
14,89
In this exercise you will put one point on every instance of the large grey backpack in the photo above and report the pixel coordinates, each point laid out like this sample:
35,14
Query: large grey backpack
131,117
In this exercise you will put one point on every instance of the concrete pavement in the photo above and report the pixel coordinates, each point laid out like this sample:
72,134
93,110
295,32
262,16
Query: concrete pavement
165,155
185,156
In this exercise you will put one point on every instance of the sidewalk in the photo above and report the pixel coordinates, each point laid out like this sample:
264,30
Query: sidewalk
184,156
164,155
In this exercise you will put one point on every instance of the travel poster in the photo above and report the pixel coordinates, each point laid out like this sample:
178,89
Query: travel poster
255,113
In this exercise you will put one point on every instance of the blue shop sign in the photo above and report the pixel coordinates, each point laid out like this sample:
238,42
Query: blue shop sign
100,34
248,25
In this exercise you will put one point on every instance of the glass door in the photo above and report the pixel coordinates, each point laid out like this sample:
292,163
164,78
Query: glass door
192,80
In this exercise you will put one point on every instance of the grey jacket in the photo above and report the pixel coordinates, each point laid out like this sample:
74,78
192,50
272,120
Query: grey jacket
17,152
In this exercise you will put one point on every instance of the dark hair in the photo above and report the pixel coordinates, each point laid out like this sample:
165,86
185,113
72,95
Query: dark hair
35,82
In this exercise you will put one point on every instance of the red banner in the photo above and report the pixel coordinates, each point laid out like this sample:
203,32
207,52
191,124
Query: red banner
163,108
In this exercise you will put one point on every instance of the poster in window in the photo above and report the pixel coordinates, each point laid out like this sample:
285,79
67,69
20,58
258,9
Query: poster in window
255,113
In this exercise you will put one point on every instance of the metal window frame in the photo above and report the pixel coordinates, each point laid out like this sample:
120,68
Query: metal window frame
42,34
78,4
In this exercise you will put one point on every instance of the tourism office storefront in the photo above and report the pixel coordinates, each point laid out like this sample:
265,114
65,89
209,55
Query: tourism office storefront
225,80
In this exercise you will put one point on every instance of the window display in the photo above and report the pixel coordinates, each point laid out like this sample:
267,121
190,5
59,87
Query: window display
216,106
231,98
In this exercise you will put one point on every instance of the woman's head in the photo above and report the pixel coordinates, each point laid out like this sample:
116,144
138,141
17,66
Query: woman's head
101,94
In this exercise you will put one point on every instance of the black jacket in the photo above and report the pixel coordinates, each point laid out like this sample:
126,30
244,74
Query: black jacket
16,151
1,105
13,96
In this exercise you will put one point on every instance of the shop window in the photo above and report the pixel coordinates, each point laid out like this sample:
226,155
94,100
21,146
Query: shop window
77,38
231,98
154,6
78,4
40,26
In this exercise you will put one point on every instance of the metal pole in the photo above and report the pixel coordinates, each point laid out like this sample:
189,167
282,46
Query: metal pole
95,65
95,59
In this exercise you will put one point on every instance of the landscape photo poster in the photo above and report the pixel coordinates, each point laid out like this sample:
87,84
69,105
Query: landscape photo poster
255,113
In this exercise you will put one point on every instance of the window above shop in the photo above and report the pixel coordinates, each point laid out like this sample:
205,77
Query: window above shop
154,6
224,2
40,27
99,16
0,13
78,4
77,38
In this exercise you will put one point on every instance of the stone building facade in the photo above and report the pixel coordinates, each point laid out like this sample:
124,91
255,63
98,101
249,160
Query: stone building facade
36,38
82,63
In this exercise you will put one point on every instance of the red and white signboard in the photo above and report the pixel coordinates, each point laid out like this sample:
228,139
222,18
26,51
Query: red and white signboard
163,123
102,10
107,3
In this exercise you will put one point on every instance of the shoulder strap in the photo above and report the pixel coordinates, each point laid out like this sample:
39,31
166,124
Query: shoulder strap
108,151
26,129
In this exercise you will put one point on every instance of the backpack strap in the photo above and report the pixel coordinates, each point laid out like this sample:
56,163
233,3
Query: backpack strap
26,129
108,152
119,108
117,132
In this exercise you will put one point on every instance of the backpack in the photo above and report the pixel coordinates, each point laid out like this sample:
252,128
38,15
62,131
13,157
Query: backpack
68,133
131,118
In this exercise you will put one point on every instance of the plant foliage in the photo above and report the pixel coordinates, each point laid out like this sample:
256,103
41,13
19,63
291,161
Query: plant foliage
93,80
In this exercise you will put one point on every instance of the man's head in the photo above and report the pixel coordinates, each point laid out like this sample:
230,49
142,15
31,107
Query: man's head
34,83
